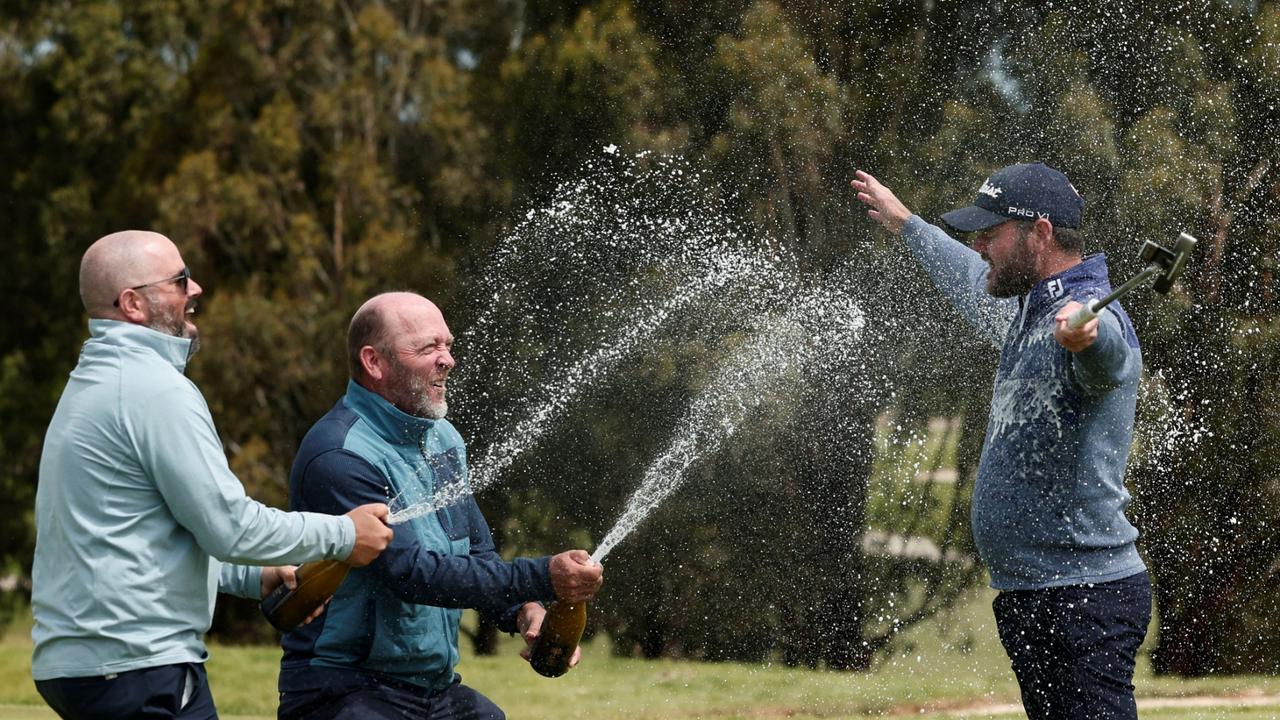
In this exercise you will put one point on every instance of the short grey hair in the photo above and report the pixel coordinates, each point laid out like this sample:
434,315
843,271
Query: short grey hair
368,327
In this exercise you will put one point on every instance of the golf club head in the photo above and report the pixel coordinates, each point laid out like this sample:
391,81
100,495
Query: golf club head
1173,262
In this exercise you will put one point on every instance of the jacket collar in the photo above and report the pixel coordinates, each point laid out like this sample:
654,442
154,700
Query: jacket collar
1087,279
175,350
390,422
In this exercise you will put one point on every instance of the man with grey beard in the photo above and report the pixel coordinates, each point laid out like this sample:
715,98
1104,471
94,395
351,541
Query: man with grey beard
139,521
388,643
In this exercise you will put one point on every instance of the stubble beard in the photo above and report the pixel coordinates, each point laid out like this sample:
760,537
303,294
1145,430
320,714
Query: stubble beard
169,320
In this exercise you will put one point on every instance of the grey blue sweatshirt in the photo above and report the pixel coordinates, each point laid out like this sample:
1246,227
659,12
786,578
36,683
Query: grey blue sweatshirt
1049,500
137,512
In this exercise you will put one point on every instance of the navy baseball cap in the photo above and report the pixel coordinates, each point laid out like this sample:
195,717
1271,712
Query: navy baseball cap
1021,192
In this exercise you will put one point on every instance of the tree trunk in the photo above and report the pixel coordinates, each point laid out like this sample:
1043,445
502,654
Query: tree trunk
485,639
833,466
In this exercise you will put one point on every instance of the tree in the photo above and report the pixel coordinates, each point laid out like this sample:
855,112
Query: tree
83,99
305,156
573,89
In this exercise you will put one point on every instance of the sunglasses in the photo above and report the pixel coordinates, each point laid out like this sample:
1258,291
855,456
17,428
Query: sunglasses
181,278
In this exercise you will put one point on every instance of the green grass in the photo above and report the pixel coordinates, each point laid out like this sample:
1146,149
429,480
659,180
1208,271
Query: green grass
952,664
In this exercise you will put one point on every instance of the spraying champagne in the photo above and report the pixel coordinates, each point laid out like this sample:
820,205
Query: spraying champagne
317,581
561,632
575,577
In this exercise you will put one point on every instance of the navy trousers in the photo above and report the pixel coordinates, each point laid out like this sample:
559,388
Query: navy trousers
148,693
1073,648
378,699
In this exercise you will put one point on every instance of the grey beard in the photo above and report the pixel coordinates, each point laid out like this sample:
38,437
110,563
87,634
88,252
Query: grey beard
421,402
165,322
412,393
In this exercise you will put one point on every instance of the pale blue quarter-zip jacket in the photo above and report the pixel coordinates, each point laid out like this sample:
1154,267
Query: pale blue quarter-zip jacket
139,520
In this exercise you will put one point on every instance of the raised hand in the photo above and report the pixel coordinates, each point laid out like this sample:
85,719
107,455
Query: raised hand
885,208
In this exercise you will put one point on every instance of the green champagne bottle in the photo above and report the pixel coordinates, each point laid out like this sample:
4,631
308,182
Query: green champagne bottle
561,630
286,609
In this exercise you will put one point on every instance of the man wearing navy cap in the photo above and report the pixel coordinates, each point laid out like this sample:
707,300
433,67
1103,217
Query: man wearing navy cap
1049,499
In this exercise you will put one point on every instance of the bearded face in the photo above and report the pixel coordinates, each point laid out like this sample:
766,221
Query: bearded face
414,393
171,317
1011,260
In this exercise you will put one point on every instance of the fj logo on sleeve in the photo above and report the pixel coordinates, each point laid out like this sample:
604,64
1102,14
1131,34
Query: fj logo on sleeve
989,189
1054,288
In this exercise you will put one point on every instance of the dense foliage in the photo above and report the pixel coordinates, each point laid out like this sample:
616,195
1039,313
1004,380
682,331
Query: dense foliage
305,155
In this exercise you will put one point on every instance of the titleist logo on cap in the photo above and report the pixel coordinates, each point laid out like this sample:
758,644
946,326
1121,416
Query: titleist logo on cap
1028,191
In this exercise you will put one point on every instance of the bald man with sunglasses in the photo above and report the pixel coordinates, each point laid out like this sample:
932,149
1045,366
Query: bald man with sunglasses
139,520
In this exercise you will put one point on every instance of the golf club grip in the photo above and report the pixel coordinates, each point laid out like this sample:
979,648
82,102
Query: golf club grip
1087,312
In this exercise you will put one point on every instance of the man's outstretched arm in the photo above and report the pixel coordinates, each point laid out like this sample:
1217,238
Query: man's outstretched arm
335,481
956,269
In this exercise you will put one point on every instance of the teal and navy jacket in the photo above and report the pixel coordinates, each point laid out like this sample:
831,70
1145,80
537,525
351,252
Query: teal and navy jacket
139,521
398,617
1049,499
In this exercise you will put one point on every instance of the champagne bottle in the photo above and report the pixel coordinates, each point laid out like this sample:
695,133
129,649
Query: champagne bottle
286,609
561,630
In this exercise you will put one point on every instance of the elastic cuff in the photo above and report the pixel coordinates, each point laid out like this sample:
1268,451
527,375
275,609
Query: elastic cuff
348,538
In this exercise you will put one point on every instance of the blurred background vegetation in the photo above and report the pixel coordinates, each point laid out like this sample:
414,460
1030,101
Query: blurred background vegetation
305,155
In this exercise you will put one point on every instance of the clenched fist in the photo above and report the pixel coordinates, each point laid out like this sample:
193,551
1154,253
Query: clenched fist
373,535
575,577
